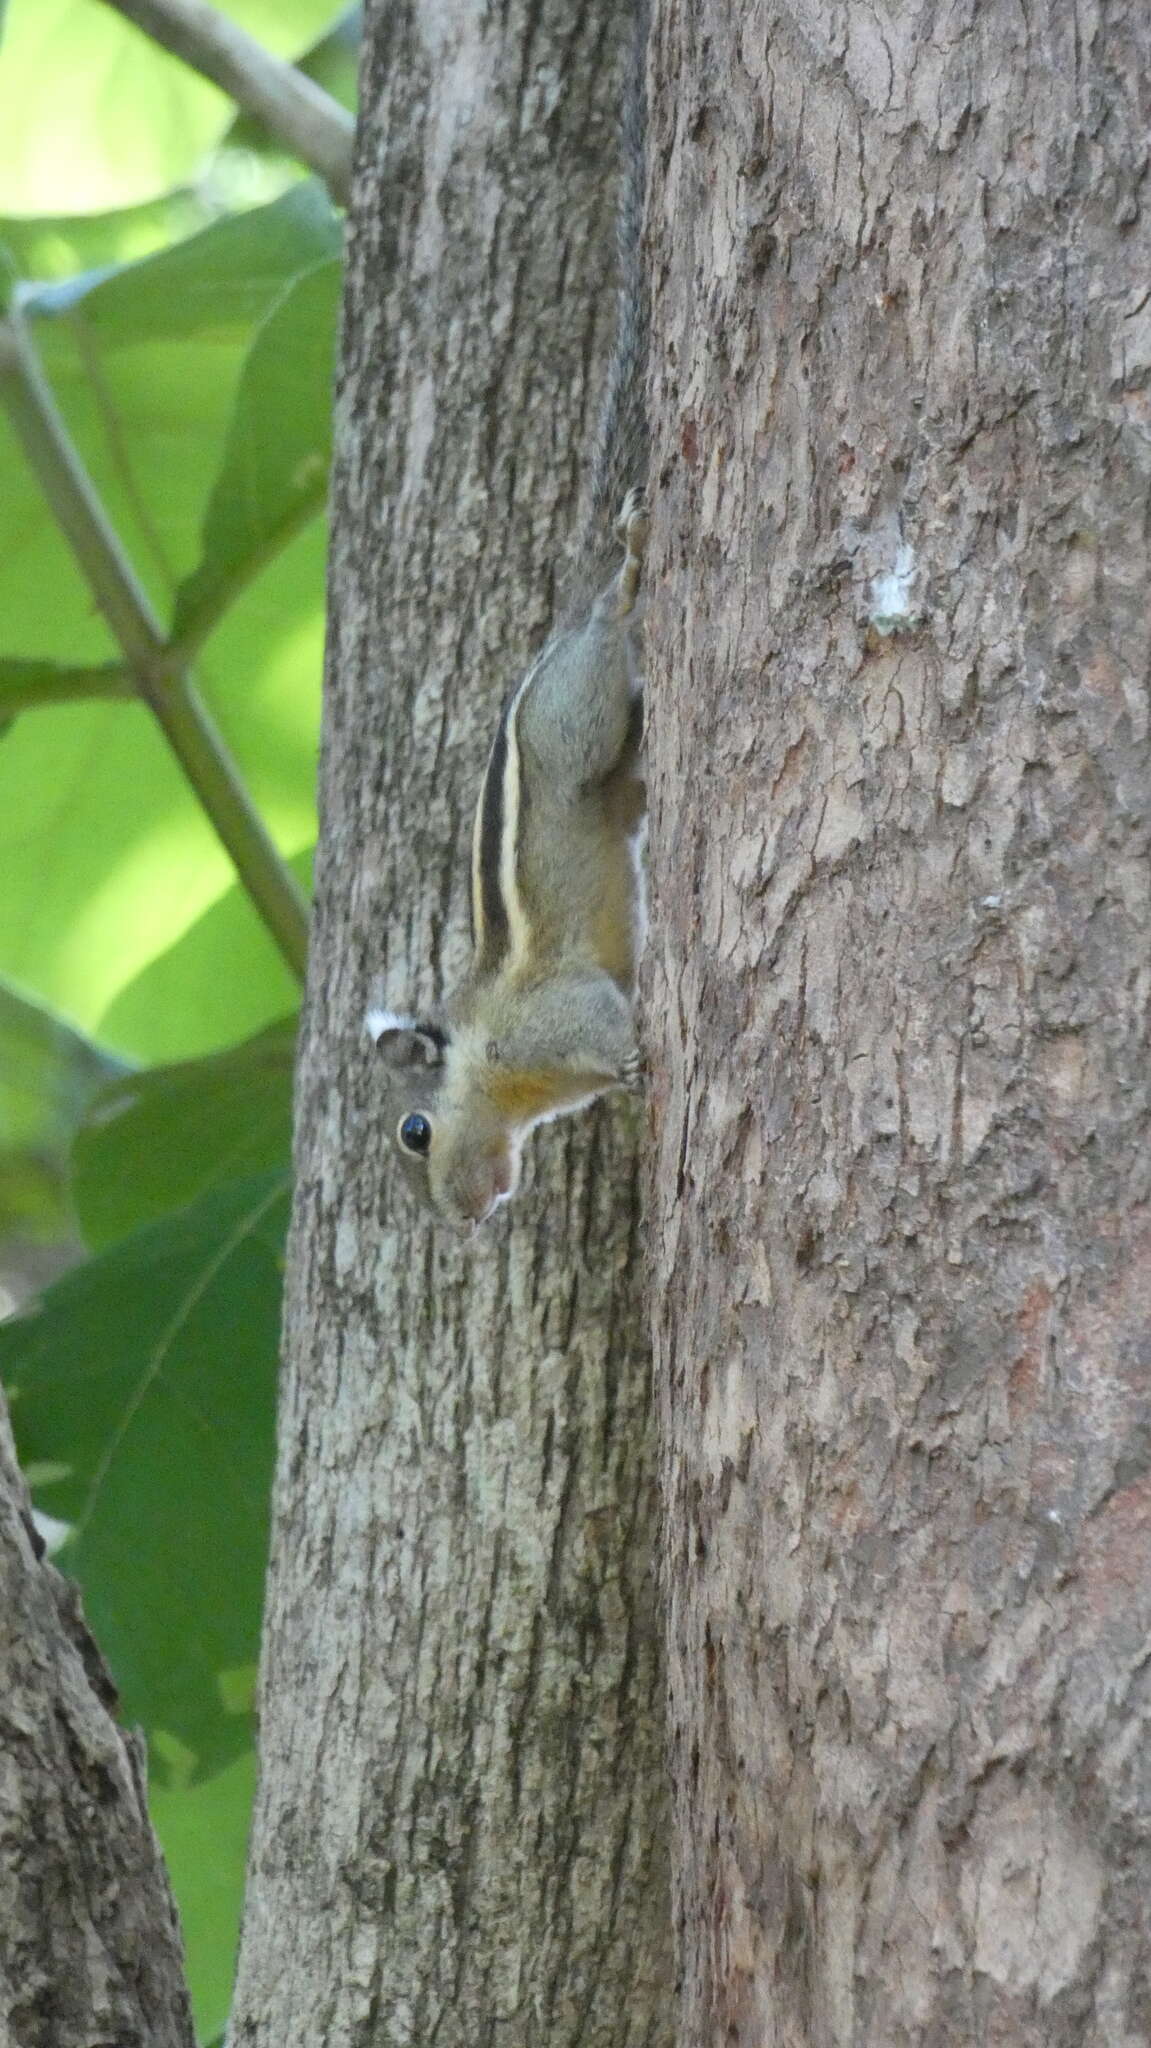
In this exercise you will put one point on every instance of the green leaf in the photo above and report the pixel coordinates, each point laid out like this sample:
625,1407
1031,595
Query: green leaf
149,1373
48,1076
49,1073
45,246
217,283
274,474
153,1142
203,1832
103,853
221,977
96,115
144,365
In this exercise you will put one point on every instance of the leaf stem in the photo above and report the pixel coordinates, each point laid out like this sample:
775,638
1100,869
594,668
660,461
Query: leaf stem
164,685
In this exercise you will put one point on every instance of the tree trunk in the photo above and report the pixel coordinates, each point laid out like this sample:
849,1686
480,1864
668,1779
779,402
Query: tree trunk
899,645
460,1829
89,1946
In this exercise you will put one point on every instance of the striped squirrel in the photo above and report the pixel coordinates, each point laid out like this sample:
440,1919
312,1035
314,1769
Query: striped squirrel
543,1023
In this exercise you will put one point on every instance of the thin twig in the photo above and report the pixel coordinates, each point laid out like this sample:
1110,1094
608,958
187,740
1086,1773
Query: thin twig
299,113
165,687
26,684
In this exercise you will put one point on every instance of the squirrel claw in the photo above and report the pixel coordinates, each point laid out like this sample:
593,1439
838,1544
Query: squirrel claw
633,522
631,1073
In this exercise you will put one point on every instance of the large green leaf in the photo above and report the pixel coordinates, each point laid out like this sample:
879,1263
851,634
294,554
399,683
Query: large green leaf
215,283
105,855
274,475
49,1075
142,1399
145,365
119,905
97,116
222,977
154,1141
61,245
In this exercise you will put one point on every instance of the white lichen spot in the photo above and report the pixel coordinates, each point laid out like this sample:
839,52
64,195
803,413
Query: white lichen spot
892,610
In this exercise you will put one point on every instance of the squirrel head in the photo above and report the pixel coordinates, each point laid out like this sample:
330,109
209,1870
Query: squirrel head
459,1152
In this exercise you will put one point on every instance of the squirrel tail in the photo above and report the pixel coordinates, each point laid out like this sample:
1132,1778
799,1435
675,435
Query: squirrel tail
621,453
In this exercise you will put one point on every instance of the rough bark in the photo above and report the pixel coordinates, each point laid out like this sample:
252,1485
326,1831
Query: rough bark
899,645
460,1831
90,1950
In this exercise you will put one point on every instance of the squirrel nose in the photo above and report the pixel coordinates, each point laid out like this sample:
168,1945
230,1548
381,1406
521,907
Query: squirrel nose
488,1189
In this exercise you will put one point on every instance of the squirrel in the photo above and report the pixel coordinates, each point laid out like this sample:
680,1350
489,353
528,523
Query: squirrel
543,1022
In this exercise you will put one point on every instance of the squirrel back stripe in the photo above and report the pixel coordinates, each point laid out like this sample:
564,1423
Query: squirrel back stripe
490,932
517,799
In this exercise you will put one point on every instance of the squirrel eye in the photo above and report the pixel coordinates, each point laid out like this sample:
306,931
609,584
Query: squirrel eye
415,1133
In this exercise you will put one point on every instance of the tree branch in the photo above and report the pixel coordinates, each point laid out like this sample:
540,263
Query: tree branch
164,685
300,114
26,684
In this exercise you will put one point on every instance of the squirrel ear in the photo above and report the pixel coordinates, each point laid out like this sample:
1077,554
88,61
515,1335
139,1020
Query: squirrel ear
407,1041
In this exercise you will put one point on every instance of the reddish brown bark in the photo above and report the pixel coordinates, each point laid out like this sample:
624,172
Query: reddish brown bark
899,645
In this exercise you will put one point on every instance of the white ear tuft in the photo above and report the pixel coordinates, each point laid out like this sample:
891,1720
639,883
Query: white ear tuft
406,1042
378,1021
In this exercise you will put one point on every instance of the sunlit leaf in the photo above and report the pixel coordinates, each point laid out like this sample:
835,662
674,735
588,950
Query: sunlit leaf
183,1004
218,282
97,883
275,469
56,246
96,115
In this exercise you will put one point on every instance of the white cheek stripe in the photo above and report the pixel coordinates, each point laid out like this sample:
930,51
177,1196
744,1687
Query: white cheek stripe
479,933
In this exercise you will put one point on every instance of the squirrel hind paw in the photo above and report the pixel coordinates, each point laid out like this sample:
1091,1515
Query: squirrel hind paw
634,521
631,1073
632,528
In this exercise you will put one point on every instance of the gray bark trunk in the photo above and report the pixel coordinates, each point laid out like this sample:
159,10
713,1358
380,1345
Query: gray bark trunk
899,645
89,1946
460,1830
